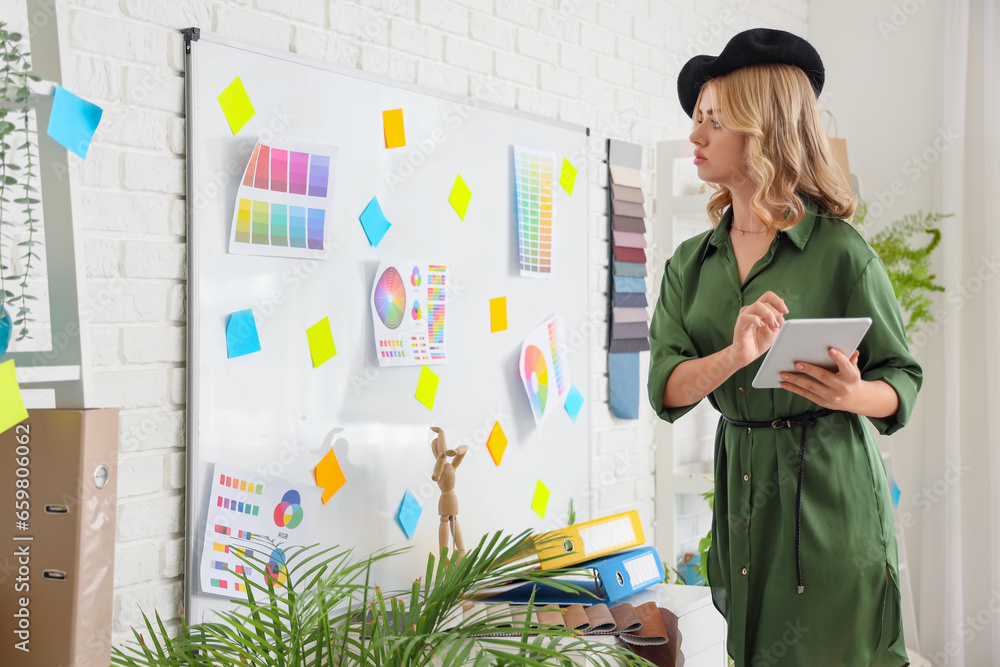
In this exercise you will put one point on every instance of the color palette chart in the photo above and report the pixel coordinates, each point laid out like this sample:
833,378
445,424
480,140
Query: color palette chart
534,173
284,201
543,370
409,306
629,320
247,517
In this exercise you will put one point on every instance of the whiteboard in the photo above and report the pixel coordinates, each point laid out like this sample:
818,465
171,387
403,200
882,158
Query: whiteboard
273,413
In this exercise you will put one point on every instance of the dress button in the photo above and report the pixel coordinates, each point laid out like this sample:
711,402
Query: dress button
748,430
744,570
746,524
741,390
746,478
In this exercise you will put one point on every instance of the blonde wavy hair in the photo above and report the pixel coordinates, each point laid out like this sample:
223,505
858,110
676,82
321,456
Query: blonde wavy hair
787,153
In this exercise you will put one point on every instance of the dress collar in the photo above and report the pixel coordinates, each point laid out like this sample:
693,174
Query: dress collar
799,234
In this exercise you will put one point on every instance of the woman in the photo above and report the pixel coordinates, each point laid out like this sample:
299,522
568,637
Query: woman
803,563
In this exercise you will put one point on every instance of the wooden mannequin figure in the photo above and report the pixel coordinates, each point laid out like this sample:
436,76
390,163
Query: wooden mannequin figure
444,475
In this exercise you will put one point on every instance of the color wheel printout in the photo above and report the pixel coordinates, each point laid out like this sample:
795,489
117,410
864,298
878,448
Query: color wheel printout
244,510
543,370
284,203
408,302
534,174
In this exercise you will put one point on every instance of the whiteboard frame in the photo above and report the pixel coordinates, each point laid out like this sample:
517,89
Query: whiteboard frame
194,36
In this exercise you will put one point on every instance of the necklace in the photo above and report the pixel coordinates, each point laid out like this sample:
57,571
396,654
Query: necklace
747,231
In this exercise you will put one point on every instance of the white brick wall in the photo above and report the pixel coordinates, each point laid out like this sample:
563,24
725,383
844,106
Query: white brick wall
610,64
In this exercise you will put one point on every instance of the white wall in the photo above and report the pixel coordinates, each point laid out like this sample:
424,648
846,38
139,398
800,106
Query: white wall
609,65
884,84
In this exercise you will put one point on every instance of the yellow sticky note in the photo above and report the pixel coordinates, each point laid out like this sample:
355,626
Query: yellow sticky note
460,196
329,475
497,443
236,105
567,177
11,404
498,314
392,123
427,387
541,500
321,345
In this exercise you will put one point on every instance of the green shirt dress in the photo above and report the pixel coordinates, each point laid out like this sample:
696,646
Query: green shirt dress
849,612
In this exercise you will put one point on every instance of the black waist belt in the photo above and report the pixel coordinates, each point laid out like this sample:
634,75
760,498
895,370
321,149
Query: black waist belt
805,421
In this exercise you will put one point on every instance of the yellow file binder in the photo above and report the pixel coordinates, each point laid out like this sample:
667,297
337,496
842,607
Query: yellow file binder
592,539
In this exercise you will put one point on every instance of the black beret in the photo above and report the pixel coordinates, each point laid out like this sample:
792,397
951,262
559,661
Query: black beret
758,46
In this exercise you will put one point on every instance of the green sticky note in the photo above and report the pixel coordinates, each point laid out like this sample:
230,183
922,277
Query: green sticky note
567,178
427,387
541,500
460,196
11,404
321,345
236,105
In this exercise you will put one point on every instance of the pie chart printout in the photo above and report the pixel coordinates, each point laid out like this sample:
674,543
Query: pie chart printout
390,298
536,372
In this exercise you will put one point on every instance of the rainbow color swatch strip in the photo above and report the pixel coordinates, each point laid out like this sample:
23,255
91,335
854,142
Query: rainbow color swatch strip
533,188
265,223
241,484
294,172
436,297
239,506
240,534
556,360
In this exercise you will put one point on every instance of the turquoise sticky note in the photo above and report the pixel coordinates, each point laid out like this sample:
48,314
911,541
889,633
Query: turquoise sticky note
374,223
895,494
574,401
241,334
408,514
73,121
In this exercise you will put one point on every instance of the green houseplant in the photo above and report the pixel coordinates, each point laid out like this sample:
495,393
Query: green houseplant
18,185
333,614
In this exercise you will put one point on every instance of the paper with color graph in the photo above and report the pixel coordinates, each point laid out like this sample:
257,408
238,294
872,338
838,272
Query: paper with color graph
284,205
245,509
534,174
408,302
544,370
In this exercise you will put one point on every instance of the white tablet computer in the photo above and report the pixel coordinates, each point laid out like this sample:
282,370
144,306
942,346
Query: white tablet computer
809,341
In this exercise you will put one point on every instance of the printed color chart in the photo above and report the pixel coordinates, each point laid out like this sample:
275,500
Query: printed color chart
533,190
284,201
243,520
409,314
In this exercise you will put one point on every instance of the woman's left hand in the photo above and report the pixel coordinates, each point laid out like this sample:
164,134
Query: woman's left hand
834,390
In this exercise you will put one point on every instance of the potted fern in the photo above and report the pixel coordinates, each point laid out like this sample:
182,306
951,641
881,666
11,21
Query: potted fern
18,186
331,613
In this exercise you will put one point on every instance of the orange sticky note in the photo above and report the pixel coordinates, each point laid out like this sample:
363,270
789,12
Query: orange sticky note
427,387
541,500
497,443
392,124
498,314
329,475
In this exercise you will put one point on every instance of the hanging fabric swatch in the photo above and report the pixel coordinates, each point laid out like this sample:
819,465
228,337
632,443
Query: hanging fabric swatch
628,328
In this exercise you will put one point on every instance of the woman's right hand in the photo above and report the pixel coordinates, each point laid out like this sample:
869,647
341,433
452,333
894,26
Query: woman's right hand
756,328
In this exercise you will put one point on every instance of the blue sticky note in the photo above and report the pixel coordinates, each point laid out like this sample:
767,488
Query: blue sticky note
629,285
895,494
241,334
623,377
573,402
73,121
374,223
408,514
